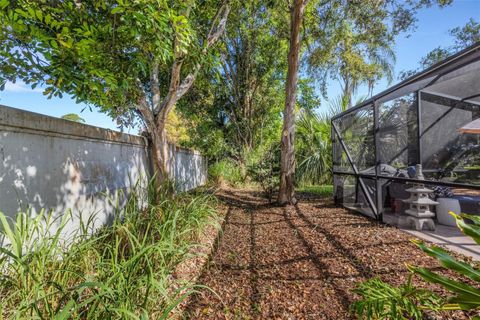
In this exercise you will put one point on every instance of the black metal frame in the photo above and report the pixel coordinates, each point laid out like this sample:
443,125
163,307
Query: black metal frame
461,59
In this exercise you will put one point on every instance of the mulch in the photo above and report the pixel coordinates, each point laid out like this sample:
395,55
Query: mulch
298,262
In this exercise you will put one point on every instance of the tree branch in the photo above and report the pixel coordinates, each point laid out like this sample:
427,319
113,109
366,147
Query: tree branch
145,110
155,87
217,30
171,97
177,89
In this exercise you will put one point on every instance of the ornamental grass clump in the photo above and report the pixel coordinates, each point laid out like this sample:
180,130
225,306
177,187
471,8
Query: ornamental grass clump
120,271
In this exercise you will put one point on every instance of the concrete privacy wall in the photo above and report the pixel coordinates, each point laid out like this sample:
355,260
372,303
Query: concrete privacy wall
188,168
61,165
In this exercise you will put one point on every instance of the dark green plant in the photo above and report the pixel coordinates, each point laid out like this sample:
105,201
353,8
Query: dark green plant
264,167
314,148
383,301
463,295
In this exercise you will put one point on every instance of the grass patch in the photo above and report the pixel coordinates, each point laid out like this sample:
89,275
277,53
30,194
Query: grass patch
121,272
225,171
319,190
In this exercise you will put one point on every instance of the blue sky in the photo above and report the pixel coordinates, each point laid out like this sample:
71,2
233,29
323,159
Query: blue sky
432,31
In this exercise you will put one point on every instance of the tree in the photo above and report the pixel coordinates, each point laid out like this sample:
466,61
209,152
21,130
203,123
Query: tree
351,40
467,35
287,157
251,74
347,53
133,59
73,117
243,94
464,36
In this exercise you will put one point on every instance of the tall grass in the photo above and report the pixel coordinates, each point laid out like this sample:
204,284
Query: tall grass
226,171
121,271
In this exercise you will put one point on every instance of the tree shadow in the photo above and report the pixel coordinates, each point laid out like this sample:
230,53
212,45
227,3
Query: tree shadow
255,269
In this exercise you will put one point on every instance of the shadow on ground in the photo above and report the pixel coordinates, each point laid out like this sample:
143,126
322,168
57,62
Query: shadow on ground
297,262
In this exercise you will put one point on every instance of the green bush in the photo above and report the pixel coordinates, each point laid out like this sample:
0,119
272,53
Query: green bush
379,300
121,271
226,171
263,167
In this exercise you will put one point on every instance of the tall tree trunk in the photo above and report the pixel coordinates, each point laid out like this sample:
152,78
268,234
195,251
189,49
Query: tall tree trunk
286,193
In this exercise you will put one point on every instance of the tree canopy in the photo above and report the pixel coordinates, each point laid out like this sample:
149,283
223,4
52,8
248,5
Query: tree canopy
73,117
132,59
138,60
243,93
352,42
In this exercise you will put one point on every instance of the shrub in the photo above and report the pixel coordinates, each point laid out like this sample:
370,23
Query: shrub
263,167
380,300
226,171
121,271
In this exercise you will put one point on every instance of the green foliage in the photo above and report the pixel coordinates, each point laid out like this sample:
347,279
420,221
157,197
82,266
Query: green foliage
121,271
314,148
382,301
263,167
225,171
243,94
465,296
353,42
133,59
93,50
72,117
307,98
341,49
313,143
102,52
467,35
203,130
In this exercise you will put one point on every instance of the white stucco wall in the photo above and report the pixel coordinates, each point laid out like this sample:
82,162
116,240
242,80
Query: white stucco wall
59,165
187,167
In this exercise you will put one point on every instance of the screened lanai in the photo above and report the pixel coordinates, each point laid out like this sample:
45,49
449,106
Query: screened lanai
431,119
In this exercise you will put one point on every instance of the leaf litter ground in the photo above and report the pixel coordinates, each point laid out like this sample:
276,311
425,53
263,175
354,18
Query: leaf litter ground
298,262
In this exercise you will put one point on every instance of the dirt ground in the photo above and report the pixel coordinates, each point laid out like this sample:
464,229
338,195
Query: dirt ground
297,262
